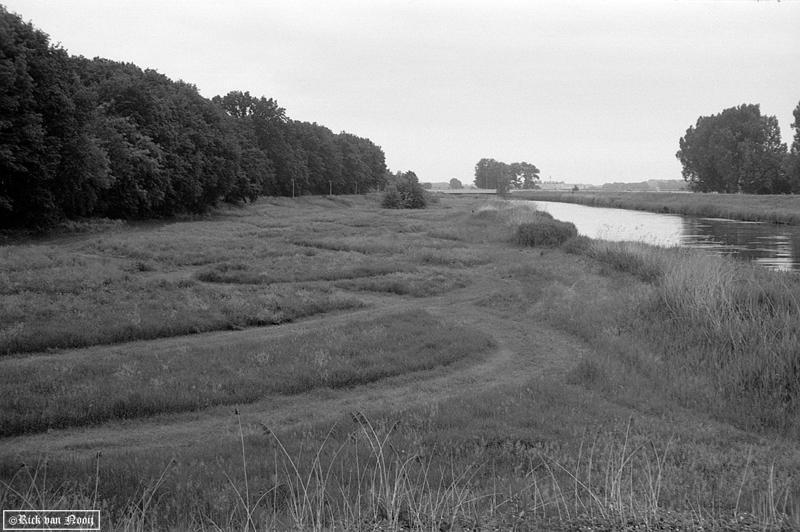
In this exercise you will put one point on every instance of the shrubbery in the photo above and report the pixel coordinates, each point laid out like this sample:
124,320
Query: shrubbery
546,232
404,192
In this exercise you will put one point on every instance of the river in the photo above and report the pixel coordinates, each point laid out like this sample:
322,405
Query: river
771,245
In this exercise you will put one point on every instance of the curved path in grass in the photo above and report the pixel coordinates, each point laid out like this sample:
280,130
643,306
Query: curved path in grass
494,302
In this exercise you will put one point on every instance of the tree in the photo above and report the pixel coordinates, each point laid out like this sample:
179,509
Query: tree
792,161
524,175
455,184
490,173
51,164
738,150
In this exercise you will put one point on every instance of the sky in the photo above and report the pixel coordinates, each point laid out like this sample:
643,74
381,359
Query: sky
588,91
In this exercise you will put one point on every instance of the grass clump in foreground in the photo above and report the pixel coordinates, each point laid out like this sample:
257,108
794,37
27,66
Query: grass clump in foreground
38,393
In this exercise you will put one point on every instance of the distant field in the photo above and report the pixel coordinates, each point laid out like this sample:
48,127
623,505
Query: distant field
322,363
782,209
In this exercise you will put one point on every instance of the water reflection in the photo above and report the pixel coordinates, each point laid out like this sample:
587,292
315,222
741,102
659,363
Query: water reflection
774,246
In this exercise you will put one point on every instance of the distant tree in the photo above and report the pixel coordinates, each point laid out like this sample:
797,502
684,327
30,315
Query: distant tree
524,175
427,186
738,150
455,184
490,173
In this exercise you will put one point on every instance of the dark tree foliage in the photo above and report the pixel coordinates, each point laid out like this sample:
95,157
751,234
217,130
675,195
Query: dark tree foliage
51,164
82,137
490,173
738,150
455,184
404,192
792,161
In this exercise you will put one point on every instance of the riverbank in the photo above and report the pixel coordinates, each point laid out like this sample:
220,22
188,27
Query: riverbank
585,386
781,209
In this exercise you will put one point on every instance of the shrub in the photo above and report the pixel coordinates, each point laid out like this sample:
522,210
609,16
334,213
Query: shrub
578,245
545,232
405,192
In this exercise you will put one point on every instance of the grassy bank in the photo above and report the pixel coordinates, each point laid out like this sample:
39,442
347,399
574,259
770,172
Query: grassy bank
679,409
746,207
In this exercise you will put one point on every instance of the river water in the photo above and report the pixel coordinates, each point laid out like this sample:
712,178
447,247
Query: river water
772,245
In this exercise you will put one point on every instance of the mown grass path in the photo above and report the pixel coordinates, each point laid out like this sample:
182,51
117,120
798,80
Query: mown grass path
525,349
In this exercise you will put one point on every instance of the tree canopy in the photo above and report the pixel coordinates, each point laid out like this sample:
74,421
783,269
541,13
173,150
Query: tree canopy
490,173
792,166
737,150
82,137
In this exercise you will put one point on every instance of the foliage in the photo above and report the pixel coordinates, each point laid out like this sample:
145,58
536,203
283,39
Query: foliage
82,137
546,232
404,192
490,173
792,161
51,164
736,151
455,184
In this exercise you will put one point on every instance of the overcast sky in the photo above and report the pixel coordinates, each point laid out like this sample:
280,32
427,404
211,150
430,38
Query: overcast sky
589,92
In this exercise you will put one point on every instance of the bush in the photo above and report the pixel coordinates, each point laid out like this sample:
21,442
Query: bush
578,245
405,192
544,233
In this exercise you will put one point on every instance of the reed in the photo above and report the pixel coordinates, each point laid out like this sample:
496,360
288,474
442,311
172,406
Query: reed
747,207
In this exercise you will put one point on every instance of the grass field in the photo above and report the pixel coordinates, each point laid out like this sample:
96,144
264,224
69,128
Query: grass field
781,209
324,364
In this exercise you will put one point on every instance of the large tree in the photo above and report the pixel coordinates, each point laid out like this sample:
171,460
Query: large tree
792,166
738,150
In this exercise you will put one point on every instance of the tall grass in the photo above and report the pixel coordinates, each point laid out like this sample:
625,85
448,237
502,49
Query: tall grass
784,209
362,474
734,324
40,393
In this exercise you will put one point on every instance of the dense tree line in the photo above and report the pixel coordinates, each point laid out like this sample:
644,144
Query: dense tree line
490,173
82,137
740,151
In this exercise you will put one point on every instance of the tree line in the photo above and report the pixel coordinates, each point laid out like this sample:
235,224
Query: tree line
740,151
83,138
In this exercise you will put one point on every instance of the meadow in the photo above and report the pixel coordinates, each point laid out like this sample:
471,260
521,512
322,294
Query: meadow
325,364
